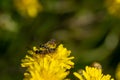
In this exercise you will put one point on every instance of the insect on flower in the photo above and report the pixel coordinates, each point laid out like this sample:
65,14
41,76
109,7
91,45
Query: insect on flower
48,47
96,65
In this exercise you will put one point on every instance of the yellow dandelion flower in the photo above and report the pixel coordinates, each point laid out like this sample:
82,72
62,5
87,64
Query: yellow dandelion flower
47,63
92,73
117,75
113,7
28,7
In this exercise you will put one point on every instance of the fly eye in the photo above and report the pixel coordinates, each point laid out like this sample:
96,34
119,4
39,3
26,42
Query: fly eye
41,45
38,51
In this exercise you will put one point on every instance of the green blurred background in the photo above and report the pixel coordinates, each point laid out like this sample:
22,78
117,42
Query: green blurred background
89,28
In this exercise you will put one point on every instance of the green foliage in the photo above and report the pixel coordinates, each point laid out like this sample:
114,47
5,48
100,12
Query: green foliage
85,27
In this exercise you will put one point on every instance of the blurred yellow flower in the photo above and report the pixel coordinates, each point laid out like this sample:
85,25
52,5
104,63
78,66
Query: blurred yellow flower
28,7
43,64
92,73
113,7
117,75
